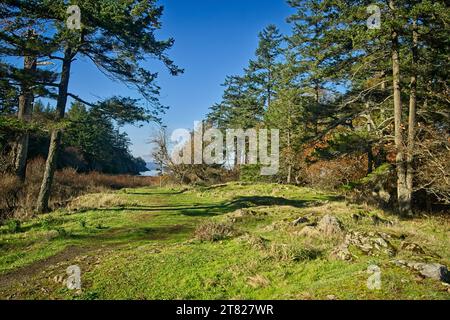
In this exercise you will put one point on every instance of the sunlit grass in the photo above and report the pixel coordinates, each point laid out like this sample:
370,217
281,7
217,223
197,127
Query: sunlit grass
140,244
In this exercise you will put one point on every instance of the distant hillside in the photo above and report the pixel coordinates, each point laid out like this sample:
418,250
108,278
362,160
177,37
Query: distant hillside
151,166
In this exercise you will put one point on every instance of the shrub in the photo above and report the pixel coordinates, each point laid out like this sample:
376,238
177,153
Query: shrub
214,231
378,188
252,173
335,173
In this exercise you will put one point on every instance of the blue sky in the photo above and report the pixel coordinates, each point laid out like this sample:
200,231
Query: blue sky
213,38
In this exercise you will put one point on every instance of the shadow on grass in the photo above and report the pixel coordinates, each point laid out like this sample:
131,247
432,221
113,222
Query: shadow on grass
247,202
126,235
199,210
168,193
202,210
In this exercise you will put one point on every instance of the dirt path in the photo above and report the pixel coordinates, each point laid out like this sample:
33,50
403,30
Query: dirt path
14,284
44,277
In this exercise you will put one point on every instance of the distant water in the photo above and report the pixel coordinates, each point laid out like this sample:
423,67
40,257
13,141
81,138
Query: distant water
152,173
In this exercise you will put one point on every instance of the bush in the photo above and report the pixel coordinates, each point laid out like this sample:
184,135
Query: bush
252,173
214,231
332,174
378,188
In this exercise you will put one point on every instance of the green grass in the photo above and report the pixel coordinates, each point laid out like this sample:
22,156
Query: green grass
140,244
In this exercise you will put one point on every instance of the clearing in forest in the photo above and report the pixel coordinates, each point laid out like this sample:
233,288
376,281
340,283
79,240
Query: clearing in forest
231,241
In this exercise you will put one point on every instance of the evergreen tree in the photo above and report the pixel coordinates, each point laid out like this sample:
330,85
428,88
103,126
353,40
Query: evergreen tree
117,36
334,38
263,70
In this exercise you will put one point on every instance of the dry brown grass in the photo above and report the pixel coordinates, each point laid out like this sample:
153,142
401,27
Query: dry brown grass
18,200
98,200
214,231
9,185
258,281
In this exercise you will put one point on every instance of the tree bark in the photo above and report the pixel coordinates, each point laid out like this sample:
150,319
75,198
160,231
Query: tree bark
289,173
317,98
26,99
269,89
290,157
55,140
404,201
412,115
370,157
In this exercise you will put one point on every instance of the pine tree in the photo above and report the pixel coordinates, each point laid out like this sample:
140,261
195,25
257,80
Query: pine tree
263,70
287,113
334,39
18,38
117,37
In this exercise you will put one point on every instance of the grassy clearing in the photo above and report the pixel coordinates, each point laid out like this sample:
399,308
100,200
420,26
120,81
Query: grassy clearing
233,241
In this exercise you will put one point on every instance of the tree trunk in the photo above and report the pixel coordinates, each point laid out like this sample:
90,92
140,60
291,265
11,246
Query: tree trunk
404,201
370,157
412,115
25,112
317,98
269,89
289,173
237,160
55,141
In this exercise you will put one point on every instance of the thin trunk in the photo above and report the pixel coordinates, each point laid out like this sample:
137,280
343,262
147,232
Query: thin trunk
370,157
269,89
237,160
160,175
317,96
55,140
25,112
404,203
289,173
412,115
383,84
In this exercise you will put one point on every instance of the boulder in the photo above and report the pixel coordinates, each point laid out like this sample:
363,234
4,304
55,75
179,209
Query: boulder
330,226
434,271
342,252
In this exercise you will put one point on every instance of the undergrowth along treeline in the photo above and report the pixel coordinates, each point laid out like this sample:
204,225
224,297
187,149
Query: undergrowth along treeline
17,199
365,110
38,50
